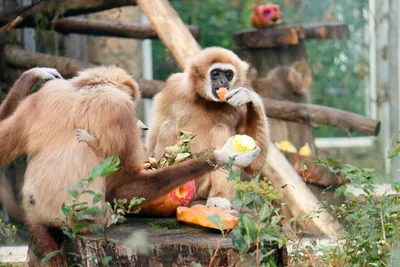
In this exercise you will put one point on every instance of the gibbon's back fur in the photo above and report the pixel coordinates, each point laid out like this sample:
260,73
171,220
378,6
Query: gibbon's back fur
102,101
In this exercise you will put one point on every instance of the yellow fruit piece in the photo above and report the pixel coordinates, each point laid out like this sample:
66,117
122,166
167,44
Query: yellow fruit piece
305,150
287,146
222,92
243,143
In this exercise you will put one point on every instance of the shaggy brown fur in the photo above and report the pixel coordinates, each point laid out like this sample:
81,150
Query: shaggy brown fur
185,104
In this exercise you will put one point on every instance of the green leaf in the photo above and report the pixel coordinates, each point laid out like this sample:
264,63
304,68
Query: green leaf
97,198
73,192
65,209
216,218
250,227
89,192
79,205
265,212
106,260
196,264
275,220
49,256
81,184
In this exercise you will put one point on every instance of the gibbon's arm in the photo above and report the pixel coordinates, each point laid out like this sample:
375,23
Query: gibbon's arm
93,143
13,135
153,184
23,86
256,124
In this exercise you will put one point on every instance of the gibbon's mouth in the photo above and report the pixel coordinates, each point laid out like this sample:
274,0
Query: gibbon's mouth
220,92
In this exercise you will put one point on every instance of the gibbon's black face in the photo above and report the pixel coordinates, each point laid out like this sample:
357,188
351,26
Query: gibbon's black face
220,78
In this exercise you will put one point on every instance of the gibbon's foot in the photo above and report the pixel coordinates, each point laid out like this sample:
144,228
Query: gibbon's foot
46,73
84,136
242,159
219,202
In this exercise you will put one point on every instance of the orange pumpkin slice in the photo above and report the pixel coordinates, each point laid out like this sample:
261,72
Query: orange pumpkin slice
221,92
198,214
166,205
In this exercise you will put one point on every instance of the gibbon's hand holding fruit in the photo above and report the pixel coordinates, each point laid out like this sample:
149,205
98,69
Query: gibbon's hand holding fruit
243,143
198,215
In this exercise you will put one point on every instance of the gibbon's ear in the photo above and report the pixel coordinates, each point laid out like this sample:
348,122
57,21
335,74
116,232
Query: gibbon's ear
133,87
197,71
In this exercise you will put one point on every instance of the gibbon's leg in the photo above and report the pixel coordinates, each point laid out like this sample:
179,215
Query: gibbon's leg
23,86
256,124
167,136
221,190
153,184
93,143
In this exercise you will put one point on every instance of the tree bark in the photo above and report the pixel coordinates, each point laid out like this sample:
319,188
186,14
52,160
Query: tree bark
68,67
107,28
170,29
307,113
69,7
169,243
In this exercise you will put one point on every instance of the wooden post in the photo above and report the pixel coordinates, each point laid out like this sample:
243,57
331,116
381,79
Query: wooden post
170,29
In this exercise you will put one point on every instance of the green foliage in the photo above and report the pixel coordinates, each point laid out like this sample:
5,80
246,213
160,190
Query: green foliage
258,232
7,233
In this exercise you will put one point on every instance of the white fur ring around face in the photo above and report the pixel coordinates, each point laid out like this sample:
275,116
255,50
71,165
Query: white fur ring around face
219,202
46,73
238,96
242,159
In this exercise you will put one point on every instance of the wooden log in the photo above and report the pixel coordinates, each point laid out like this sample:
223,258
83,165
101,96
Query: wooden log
19,58
170,29
298,197
174,245
290,35
108,28
302,113
69,7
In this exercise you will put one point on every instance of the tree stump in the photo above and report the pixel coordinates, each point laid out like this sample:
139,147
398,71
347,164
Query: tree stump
266,49
166,246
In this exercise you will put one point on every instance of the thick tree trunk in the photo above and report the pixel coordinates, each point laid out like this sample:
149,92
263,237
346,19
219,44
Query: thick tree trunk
166,247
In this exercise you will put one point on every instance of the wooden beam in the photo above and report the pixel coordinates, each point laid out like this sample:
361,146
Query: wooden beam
308,113
170,29
23,59
108,28
69,7
290,35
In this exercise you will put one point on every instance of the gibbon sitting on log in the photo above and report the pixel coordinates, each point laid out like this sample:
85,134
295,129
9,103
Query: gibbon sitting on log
190,102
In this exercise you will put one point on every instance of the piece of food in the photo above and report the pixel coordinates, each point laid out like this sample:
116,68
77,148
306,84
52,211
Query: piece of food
305,150
221,92
286,146
198,215
243,143
166,205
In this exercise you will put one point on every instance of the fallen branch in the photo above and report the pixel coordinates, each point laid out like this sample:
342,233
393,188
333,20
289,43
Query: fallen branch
106,28
302,113
69,7
19,58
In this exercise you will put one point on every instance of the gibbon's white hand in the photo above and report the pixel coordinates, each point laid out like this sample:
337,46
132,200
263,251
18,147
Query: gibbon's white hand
239,96
242,159
46,73
219,202
83,136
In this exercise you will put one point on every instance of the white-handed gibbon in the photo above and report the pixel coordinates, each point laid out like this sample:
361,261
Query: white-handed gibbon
101,100
190,102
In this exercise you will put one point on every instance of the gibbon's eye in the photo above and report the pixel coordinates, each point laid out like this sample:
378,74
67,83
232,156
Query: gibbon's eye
229,75
215,73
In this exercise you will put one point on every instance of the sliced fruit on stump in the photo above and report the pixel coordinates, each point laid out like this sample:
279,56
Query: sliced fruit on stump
221,92
166,205
198,214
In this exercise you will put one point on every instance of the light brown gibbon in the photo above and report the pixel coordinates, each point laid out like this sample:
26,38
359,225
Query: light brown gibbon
102,101
189,102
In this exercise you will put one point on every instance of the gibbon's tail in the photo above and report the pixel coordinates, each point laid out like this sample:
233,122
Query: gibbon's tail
153,184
